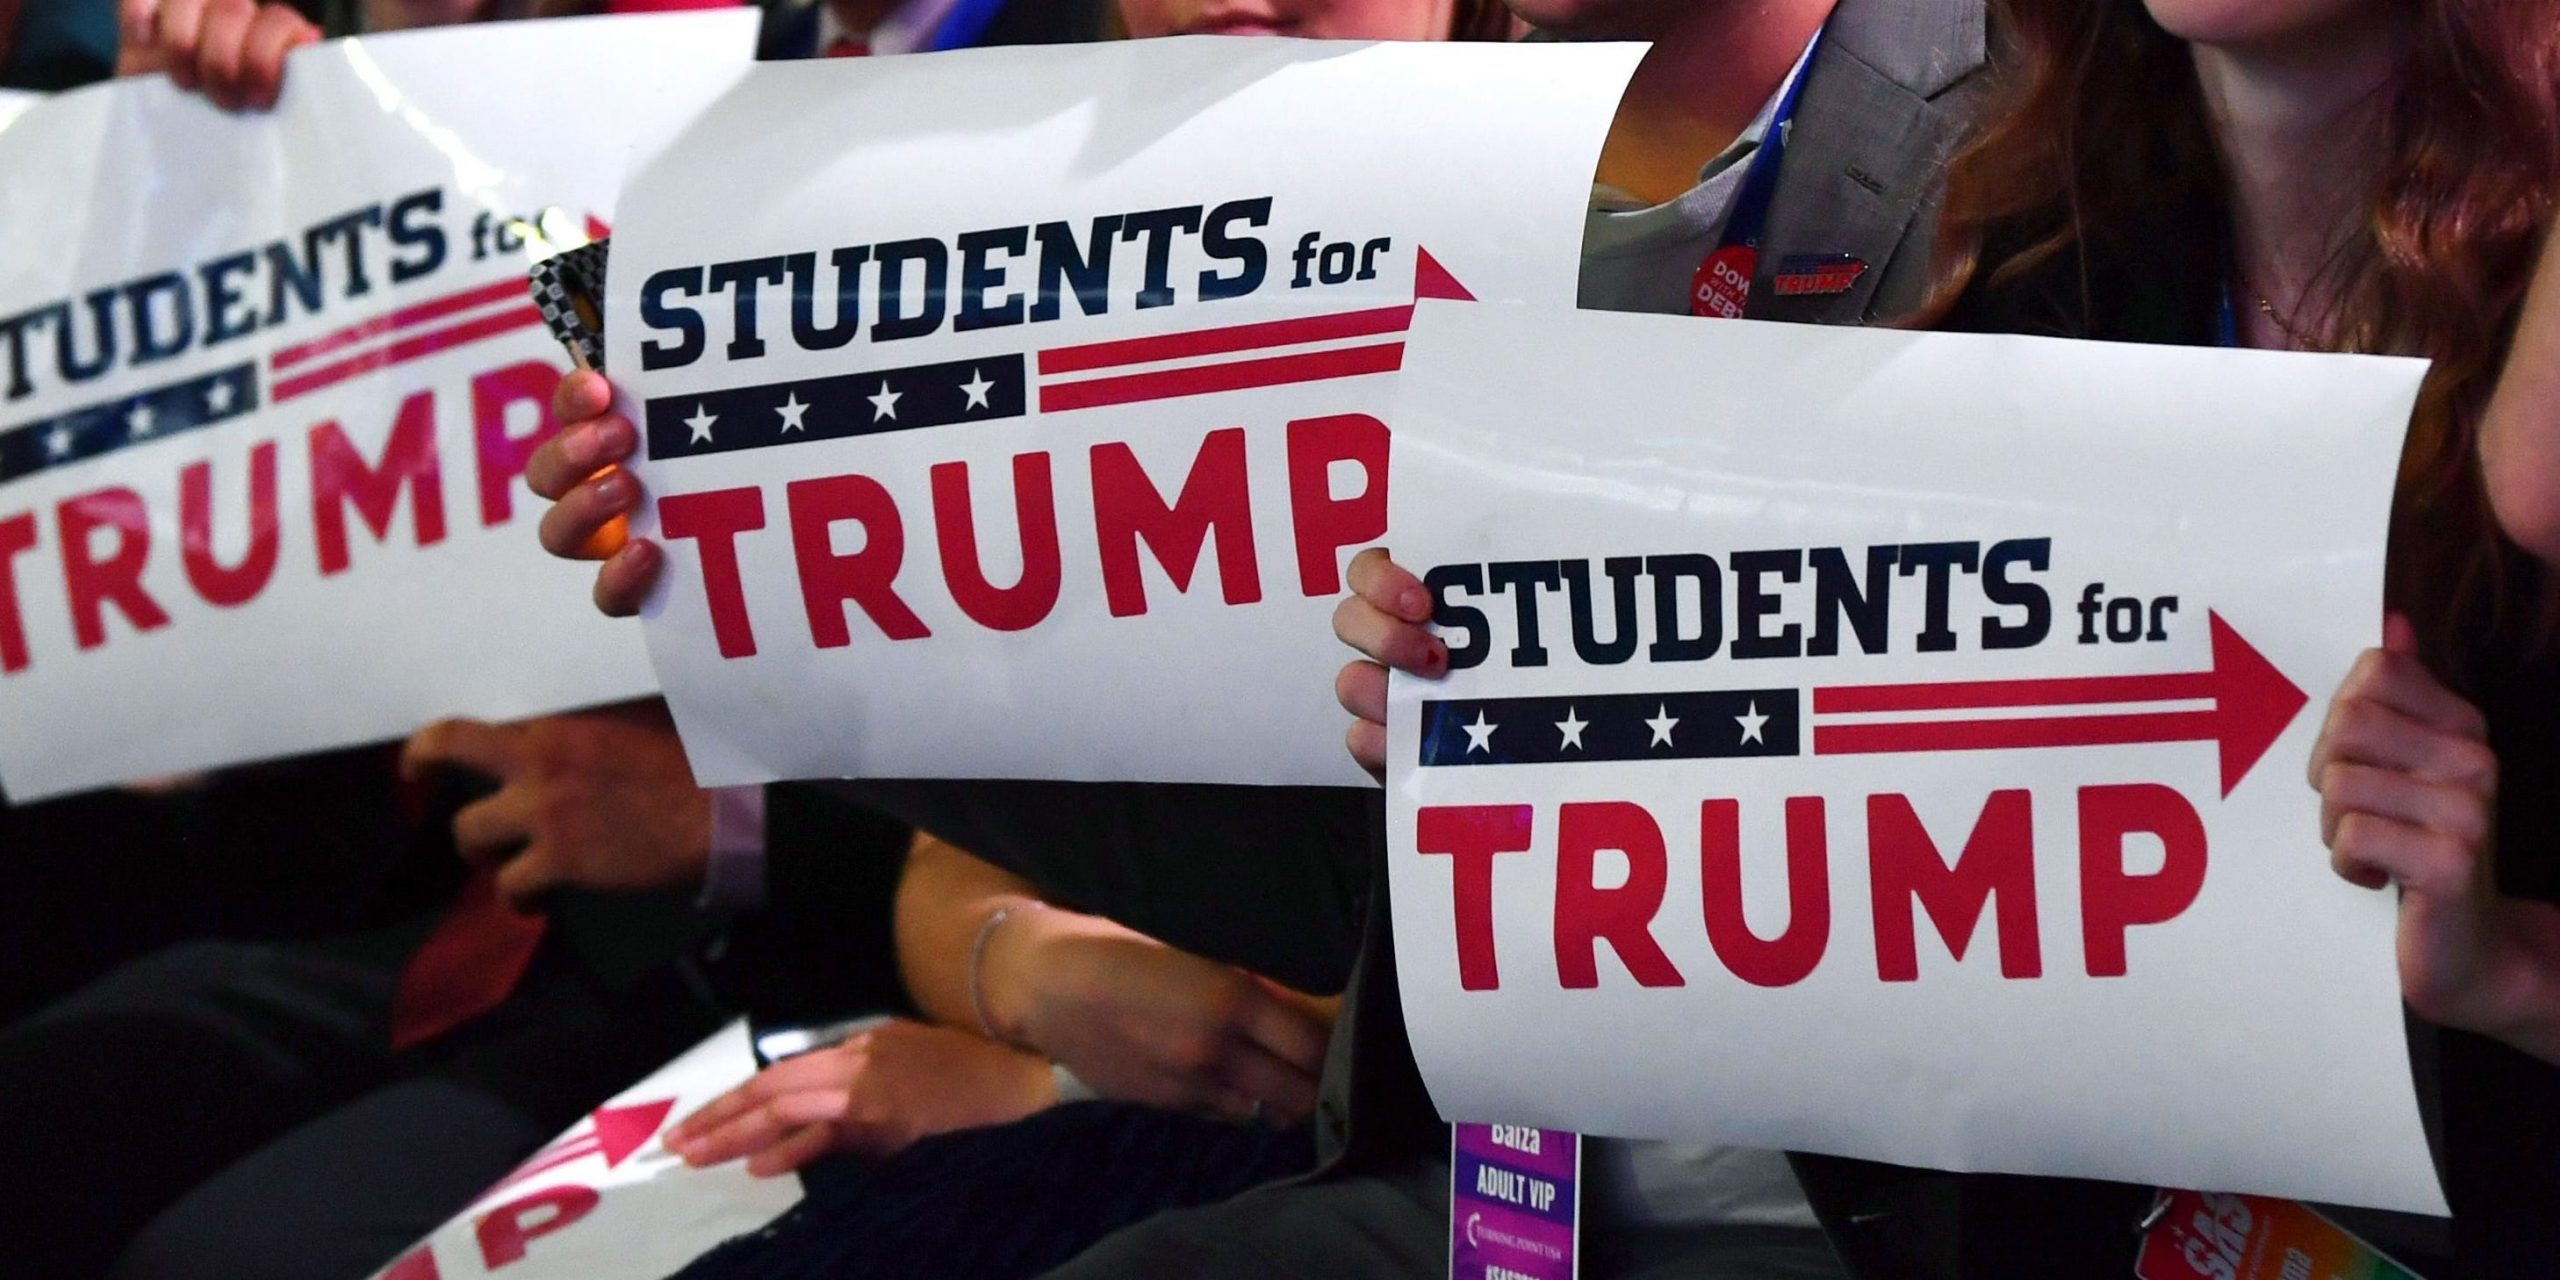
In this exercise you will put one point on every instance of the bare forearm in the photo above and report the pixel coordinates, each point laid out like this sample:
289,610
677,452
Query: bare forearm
2520,440
945,899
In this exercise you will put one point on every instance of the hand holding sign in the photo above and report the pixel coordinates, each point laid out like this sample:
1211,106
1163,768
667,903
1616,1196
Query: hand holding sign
1383,617
233,50
2408,796
873,1095
580,470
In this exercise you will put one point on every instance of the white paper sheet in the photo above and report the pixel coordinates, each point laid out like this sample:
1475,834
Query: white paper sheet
313,285
606,1198
1206,168
2201,1003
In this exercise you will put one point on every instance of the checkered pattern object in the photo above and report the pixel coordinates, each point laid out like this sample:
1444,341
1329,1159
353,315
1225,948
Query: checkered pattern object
569,290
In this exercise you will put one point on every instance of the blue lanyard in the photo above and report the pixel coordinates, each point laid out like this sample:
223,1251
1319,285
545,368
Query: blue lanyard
2226,320
966,24
1750,216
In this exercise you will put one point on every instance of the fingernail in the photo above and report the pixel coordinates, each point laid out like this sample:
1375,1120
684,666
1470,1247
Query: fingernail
612,438
1415,603
617,490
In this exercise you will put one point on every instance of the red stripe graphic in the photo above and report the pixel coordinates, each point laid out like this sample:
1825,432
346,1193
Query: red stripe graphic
431,309
2068,691
1430,280
1217,342
425,344
1996,735
1238,375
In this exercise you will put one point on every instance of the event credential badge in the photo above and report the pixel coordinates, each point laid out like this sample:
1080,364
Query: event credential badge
1515,1203
1011,413
1893,745
2196,1236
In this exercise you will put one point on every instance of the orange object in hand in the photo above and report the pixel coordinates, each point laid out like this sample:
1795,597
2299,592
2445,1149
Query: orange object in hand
607,540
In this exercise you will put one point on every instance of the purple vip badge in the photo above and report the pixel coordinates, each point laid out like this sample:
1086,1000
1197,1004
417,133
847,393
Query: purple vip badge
1515,1195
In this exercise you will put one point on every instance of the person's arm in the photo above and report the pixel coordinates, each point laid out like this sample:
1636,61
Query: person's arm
875,1094
945,901
1135,1019
2520,438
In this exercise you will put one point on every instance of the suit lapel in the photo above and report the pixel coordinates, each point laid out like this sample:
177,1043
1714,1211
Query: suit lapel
1867,153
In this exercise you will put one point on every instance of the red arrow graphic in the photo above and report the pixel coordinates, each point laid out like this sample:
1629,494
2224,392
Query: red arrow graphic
2252,704
1239,357
623,1130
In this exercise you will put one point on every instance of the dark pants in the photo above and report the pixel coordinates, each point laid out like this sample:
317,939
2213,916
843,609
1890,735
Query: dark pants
1006,1203
233,1110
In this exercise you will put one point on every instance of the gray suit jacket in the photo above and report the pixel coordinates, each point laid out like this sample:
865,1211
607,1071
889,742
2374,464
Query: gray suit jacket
1882,106
1885,105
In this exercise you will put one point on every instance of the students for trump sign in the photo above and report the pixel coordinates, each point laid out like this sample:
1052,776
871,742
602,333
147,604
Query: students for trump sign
1010,413
607,1198
1893,745
268,382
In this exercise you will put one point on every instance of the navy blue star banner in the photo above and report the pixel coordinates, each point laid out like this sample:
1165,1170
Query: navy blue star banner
1718,724
93,430
836,408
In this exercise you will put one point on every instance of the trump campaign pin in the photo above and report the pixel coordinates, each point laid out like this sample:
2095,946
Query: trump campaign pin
1803,275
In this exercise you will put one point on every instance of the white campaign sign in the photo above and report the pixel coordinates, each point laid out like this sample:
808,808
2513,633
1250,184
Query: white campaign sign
1893,745
607,1198
14,103
267,383
1079,355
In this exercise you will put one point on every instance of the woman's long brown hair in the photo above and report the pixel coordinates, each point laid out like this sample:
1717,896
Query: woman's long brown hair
2096,137
1481,20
